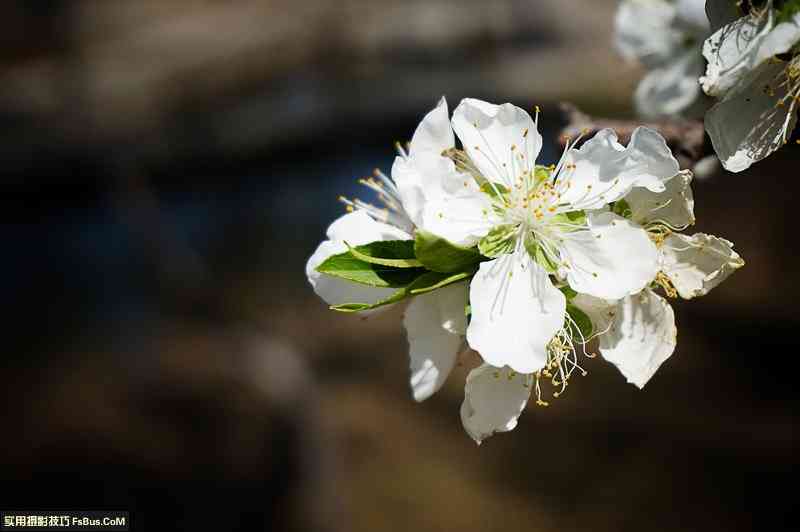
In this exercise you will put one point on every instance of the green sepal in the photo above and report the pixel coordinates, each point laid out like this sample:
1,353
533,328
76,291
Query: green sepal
541,174
582,321
576,217
570,218
500,240
538,255
427,282
393,253
346,266
622,208
492,189
439,255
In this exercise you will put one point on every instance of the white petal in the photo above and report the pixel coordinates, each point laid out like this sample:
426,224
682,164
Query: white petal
642,336
359,228
516,311
674,206
733,51
600,311
610,260
494,398
502,140
434,133
436,323
698,263
749,124
604,170
643,31
672,88
463,220
356,228
425,174
780,40
421,178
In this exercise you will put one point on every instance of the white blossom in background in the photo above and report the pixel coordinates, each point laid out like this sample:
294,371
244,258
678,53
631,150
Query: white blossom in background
555,256
666,37
754,72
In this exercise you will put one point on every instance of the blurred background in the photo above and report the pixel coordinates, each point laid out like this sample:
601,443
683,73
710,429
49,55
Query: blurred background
169,165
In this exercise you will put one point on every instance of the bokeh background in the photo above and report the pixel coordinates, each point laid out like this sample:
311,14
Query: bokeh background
169,165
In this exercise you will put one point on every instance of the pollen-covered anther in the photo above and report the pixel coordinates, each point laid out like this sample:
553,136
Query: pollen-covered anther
666,284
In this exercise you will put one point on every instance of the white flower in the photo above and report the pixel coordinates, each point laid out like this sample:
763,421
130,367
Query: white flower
757,91
565,253
665,36
639,330
545,222
436,322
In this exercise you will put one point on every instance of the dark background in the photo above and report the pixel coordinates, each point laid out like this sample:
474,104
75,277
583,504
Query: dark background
169,165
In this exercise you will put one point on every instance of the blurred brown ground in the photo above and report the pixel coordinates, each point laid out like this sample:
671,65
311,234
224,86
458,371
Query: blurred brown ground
169,167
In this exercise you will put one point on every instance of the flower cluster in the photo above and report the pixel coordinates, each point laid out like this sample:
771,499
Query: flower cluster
743,53
667,38
754,72
525,262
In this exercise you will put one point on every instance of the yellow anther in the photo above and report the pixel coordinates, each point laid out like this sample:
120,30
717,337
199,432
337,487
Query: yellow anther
664,282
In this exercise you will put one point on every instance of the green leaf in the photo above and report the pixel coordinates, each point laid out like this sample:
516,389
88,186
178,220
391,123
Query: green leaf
346,266
581,324
622,208
568,292
538,255
427,282
399,295
394,253
787,11
439,255
500,240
